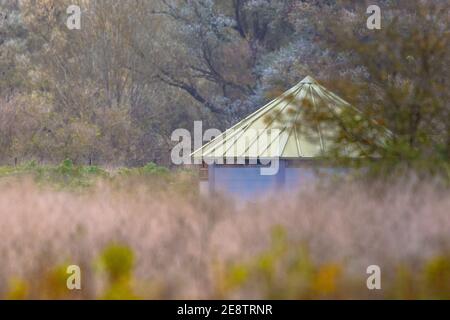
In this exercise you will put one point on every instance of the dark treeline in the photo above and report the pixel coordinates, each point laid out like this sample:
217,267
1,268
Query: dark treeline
113,92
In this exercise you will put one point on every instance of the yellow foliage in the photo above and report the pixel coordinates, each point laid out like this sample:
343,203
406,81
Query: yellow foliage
18,290
327,278
437,278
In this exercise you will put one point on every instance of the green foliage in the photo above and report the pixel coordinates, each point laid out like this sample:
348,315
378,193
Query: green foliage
64,176
66,167
150,169
117,261
69,176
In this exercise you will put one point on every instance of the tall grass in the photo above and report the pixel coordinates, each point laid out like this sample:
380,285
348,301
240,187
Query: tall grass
173,243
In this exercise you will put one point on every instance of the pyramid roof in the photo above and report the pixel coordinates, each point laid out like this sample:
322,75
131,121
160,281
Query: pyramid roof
260,135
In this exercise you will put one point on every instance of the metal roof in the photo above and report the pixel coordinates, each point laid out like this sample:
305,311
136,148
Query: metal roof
260,135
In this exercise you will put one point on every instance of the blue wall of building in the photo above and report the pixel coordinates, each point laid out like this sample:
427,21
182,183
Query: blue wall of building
247,183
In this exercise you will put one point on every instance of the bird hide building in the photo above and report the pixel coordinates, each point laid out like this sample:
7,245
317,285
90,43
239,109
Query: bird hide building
268,151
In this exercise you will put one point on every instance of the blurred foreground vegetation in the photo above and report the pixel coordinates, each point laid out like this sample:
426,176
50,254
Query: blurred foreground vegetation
282,271
145,233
